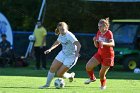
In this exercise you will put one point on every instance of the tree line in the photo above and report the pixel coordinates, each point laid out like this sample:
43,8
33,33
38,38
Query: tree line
81,16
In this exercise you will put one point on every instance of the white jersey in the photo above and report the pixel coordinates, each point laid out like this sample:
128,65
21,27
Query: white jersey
67,41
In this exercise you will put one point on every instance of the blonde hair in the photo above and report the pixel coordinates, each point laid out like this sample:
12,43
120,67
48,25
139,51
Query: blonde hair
104,22
57,32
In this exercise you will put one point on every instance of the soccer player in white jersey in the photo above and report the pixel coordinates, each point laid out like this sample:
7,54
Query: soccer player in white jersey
66,58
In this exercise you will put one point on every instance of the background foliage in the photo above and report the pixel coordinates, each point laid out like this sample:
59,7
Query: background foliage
81,16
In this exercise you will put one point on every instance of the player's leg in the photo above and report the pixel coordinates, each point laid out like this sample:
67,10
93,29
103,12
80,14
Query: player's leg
89,69
54,67
37,57
69,76
57,63
107,62
62,70
43,58
92,63
62,73
103,71
69,62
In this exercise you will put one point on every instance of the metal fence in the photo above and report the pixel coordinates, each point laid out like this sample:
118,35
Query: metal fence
21,43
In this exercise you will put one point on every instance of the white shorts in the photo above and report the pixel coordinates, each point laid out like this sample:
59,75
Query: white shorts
68,61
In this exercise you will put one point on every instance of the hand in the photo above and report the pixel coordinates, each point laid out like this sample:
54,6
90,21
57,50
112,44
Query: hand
94,38
101,44
47,51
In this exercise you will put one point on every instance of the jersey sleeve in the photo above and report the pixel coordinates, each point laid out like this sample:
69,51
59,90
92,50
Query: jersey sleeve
58,39
44,31
97,35
72,37
110,35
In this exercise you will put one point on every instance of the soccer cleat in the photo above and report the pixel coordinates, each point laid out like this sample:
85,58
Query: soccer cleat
44,87
72,77
103,87
89,81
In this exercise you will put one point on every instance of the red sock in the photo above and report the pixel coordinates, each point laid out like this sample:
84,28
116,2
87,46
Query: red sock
103,82
91,75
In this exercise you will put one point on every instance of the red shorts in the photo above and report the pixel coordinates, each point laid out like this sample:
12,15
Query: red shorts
106,59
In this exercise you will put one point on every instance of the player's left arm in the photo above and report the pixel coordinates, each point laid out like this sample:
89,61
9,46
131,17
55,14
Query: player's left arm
110,43
77,43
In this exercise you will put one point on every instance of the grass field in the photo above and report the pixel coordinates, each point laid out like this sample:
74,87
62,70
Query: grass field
27,80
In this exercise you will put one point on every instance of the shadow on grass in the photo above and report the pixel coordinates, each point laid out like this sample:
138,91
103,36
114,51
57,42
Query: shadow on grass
68,87
15,87
27,88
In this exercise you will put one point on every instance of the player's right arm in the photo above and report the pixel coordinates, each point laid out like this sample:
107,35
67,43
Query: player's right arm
56,43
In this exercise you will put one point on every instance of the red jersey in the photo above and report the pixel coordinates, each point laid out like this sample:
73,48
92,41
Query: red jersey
105,37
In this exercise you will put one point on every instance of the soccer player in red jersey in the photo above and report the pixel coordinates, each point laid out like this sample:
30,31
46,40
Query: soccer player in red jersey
105,55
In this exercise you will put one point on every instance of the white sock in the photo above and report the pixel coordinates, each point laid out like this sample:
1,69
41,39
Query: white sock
50,76
67,75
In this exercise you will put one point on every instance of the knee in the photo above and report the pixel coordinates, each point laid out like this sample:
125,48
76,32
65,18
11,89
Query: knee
59,74
52,69
88,67
102,75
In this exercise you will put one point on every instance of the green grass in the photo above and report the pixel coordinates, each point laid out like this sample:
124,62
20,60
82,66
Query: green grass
27,80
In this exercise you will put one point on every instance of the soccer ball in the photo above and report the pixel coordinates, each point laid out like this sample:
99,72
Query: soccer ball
32,38
59,83
136,70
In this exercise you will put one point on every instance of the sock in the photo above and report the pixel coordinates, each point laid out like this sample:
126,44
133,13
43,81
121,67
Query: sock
91,75
50,76
103,82
67,75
